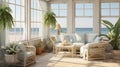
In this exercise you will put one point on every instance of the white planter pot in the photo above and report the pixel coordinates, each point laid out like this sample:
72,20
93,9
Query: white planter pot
10,58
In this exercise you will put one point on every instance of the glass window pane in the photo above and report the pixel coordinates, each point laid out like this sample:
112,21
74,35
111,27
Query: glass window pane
41,7
88,12
35,15
105,12
88,6
114,12
32,15
63,12
63,24
79,12
22,2
22,14
22,25
18,13
18,2
37,5
32,24
41,16
13,10
54,6
32,3
56,12
63,6
38,15
84,25
114,5
12,1
105,5
79,6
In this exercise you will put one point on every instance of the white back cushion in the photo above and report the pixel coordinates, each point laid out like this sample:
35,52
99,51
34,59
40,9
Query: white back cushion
90,37
80,38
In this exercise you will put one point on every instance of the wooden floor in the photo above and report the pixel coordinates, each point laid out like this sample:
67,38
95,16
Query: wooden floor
50,60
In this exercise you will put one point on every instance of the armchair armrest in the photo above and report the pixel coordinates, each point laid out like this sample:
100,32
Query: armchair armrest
96,45
30,48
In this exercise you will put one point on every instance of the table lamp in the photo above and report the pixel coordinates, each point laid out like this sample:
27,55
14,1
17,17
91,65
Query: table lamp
58,27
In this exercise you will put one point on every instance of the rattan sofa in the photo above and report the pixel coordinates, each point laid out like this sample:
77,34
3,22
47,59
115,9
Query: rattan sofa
93,51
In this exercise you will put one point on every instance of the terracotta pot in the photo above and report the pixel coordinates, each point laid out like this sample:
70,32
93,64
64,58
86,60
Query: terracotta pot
38,50
116,54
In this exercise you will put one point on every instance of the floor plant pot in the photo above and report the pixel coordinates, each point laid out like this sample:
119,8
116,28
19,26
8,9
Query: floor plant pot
9,58
116,54
2,58
39,50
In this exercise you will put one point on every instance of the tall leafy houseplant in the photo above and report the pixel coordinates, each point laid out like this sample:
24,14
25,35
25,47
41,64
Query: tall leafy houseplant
114,33
6,22
6,19
49,20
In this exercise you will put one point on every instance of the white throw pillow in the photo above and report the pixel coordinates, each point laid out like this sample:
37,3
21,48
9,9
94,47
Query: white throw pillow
78,38
90,37
97,39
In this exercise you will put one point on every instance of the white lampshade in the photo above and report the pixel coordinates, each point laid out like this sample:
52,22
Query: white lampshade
58,26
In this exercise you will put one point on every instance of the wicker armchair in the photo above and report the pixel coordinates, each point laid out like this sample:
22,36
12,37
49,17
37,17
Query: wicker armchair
93,51
26,55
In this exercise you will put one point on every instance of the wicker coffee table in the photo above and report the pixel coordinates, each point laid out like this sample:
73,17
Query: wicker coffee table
65,48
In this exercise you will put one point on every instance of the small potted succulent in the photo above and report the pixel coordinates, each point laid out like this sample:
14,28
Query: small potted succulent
11,51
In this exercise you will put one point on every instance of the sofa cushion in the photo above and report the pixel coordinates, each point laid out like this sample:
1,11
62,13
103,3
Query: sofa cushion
97,45
90,37
68,37
80,38
97,39
57,38
73,38
29,53
78,44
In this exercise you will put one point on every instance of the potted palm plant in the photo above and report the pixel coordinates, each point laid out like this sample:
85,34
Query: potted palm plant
113,35
49,20
6,22
6,19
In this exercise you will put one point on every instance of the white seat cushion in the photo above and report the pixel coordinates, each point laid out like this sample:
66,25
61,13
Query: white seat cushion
29,54
78,44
